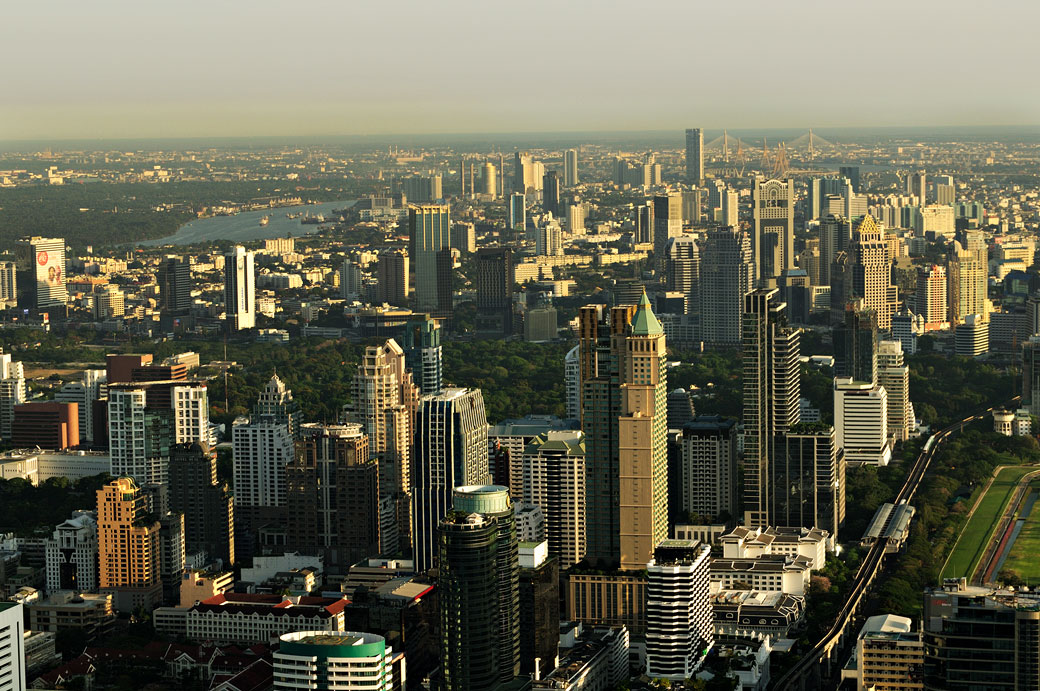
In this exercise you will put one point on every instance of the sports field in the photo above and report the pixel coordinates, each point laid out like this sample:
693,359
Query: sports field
1023,558
976,533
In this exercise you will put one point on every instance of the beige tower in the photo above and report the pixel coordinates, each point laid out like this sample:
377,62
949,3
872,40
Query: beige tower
872,271
128,546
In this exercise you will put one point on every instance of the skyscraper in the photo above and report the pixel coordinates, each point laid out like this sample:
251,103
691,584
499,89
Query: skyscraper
392,275
727,274
423,189
872,272
773,214
239,289
644,222
524,173
139,435
261,449
41,273
682,270
731,209
679,630
8,283
695,156
12,392
772,386
916,185
72,554
808,480
624,417
421,341
667,224
894,375
551,192
855,345
174,279
12,647
835,237
570,167
861,422
429,232
276,401
554,479
128,546
450,450
479,588
495,282
707,474
351,285
930,296
516,212
207,504
966,288
851,173
490,180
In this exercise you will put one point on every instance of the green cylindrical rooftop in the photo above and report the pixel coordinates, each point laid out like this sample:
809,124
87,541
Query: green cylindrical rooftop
492,499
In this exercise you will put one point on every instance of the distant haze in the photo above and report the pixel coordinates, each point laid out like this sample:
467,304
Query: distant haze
116,68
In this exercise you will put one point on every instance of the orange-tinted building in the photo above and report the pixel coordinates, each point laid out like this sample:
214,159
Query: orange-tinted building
128,546
48,425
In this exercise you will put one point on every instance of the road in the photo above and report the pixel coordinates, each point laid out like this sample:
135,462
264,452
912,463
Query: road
806,673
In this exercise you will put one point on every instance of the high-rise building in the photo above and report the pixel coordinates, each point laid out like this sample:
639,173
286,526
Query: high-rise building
554,479
429,228
916,186
516,212
861,422
8,283
351,280
624,417
549,239
384,403
808,480
261,450
695,156
727,275
334,661
570,167
539,610
421,341
85,394
479,587
174,279
128,546
464,237
835,237
572,381
731,209
679,622
276,401
551,192
966,288
495,282
72,554
644,223
392,277
707,474
680,408
41,280
46,424
1031,374
872,271
12,392
683,269
772,203
576,218
139,435
772,386
856,344
206,502
894,375
423,189
332,495
667,224
12,647
490,180
851,173
526,174
451,450
239,289
930,296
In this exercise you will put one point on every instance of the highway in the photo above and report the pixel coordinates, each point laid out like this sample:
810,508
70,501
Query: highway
808,672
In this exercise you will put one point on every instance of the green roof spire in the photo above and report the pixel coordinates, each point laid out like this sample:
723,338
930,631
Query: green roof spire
644,323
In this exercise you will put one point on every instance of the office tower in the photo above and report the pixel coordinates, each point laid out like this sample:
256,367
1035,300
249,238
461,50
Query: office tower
679,622
109,303
695,156
570,167
276,401
12,647
421,341
41,275
667,224
8,282
972,337
172,557
916,186
174,279
539,610
772,386
809,261
549,239
835,237
576,218
46,424
205,502
479,590
966,284
384,402
727,274
930,296
84,393
772,203
682,270
731,209
707,477
551,192
428,233
490,180
392,277
523,173
819,189
351,281
139,436
495,283
945,195
572,382
423,189
516,212
855,345
861,421
261,449
808,483
644,223
445,263
12,392
624,417
980,637
851,173
128,546
239,289
692,212
451,450
554,479
894,375
72,554
872,272
933,220
332,495
464,237
334,661
680,408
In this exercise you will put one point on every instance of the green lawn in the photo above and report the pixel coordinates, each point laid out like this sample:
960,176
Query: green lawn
1023,558
975,535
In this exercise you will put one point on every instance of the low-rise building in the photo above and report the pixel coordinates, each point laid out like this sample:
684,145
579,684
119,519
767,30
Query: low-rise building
91,613
250,618
889,655
751,543
771,572
593,661
753,613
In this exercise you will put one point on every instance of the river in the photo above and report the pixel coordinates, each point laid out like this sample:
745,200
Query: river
245,226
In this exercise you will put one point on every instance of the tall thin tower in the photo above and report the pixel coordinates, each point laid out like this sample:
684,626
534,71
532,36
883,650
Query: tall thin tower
695,156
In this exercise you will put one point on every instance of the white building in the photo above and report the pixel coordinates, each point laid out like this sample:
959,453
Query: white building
678,609
338,661
751,543
132,437
260,450
12,647
239,289
770,572
861,421
572,381
894,376
72,555
265,568
554,479
12,392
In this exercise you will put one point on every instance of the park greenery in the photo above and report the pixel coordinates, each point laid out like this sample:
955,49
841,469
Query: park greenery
34,511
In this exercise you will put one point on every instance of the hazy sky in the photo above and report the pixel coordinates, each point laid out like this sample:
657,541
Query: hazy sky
156,68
